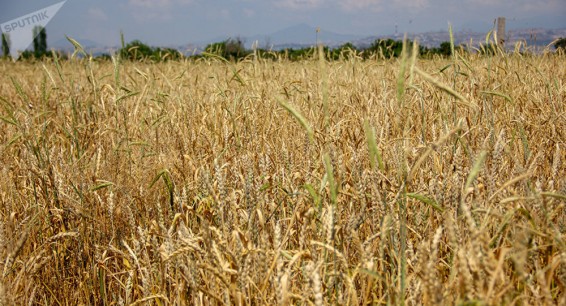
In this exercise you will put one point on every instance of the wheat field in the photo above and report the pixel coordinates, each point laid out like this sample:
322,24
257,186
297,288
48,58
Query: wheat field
352,182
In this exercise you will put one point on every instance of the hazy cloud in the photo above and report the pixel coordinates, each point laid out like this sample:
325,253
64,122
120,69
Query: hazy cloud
542,6
485,2
160,10
224,13
354,5
152,4
96,14
299,4
157,3
380,5
414,4
523,5
248,12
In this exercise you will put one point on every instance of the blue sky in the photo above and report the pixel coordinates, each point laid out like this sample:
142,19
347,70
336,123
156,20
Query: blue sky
177,22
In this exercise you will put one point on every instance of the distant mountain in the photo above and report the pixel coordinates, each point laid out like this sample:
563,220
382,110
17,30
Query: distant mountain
537,37
302,34
65,44
532,37
297,36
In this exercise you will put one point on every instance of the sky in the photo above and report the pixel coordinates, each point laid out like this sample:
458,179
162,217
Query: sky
179,22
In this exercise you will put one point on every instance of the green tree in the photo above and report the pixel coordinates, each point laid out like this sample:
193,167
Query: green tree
103,57
136,51
489,49
166,54
216,48
267,54
445,49
39,41
27,55
5,45
299,54
43,41
235,49
36,38
386,48
345,51
230,49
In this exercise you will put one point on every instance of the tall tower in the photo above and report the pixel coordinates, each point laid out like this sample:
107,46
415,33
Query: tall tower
501,31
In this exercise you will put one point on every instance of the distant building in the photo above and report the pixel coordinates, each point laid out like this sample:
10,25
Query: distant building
501,31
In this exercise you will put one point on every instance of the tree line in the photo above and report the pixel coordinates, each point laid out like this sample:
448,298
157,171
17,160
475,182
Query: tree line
233,49
40,49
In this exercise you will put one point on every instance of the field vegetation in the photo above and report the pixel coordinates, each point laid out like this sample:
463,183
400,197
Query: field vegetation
261,182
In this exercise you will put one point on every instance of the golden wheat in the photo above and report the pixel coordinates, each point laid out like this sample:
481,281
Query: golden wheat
271,182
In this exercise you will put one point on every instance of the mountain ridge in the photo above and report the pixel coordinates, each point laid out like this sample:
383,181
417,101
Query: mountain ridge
303,35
